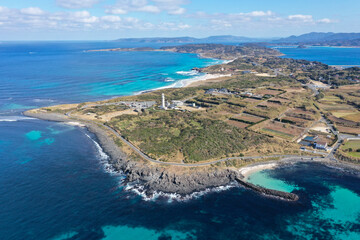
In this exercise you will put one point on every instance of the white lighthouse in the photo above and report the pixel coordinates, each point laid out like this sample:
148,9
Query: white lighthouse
163,103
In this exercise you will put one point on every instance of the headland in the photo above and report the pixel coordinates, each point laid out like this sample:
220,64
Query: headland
263,109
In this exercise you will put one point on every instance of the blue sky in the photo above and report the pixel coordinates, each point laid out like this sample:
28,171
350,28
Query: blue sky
111,19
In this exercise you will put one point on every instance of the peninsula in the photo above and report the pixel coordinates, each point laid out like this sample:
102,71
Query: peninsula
264,109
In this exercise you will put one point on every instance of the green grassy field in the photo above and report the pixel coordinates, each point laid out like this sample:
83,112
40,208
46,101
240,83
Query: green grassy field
354,146
171,135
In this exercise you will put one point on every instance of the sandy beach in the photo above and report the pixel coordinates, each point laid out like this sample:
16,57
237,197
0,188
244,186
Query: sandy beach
247,171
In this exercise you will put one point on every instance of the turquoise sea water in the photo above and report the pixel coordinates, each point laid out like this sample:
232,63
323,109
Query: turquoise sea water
55,184
262,178
38,74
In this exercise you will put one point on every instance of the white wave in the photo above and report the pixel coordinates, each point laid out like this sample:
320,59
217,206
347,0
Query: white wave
102,154
39,100
140,190
187,82
169,79
75,124
104,158
14,118
188,73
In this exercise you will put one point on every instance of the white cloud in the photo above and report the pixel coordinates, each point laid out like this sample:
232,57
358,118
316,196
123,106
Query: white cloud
177,11
150,9
259,14
111,18
184,26
326,20
35,18
32,11
172,7
76,4
255,19
116,11
301,18
3,9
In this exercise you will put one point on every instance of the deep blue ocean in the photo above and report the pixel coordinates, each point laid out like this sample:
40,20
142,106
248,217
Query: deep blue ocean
329,55
54,183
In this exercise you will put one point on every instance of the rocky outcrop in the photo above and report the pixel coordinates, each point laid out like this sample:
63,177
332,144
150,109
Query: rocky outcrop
158,179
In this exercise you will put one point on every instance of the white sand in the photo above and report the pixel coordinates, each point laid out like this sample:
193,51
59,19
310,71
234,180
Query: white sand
247,171
187,82
75,124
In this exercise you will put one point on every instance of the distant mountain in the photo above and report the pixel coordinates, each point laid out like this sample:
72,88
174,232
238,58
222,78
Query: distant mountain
322,39
211,39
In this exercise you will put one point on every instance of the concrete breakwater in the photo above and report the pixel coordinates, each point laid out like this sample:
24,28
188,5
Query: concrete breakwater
269,192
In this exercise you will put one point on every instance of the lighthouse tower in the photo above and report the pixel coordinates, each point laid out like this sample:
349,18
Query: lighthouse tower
163,103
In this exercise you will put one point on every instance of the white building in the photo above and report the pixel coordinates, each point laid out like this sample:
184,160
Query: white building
163,102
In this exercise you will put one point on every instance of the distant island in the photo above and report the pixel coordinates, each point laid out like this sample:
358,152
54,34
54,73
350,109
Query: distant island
211,39
312,39
322,39
218,51
260,111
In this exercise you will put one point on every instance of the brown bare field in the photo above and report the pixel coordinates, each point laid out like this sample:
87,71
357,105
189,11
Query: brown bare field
270,104
268,91
283,130
344,122
237,124
348,130
299,113
335,107
295,90
349,88
300,122
251,100
280,99
248,118
353,117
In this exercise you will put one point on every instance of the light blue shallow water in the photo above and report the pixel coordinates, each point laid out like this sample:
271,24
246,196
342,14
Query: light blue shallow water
39,74
53,178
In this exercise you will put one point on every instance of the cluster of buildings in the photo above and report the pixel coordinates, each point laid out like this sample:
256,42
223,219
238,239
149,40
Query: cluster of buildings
251,95
138,106
315,142
215,91
225,91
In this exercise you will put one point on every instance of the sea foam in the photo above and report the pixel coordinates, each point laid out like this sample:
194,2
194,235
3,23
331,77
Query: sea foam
14,118
140,190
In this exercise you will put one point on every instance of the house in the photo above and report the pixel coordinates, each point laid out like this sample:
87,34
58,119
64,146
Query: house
211,91
310,139
321,145
305,143
176,104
